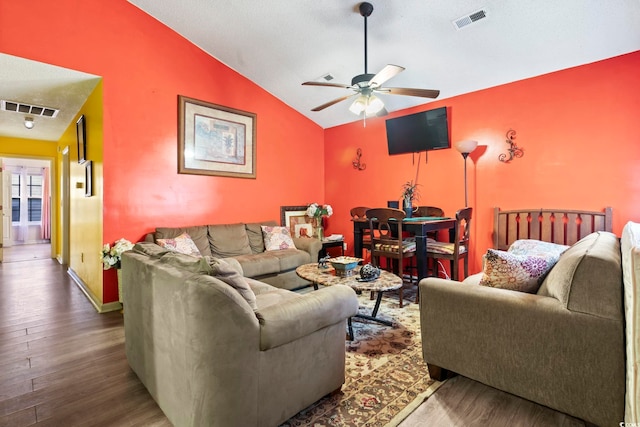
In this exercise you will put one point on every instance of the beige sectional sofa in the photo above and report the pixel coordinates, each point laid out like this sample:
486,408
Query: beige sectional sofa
562,347
244,243
217,349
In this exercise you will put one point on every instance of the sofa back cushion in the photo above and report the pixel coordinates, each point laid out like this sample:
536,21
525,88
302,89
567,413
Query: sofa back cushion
588,277
197,233
227,240
254,233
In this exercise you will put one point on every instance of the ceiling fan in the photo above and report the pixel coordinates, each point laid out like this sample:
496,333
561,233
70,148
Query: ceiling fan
366,85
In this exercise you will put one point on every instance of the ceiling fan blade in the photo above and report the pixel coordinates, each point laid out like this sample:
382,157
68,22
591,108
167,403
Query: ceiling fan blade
342,85
330,103
424,93
385,74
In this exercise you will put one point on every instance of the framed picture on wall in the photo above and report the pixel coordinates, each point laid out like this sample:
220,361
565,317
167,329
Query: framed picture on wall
81,133
88,179
215,140
296,220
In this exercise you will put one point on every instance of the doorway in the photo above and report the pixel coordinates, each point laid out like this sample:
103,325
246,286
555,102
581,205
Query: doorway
27,217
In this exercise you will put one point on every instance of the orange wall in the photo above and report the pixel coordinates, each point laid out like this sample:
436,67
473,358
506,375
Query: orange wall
145,66
578,128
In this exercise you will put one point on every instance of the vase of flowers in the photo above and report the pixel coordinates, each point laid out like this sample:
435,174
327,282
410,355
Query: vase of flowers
409,195
112,258
317,212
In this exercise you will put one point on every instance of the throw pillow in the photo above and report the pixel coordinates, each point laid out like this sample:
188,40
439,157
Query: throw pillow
515,272
536,248
220,269
276,238
182,244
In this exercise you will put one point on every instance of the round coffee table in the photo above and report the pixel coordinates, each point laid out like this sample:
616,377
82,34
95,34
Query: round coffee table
327,277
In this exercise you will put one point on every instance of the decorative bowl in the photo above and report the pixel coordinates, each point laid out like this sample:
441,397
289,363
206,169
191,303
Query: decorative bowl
344,265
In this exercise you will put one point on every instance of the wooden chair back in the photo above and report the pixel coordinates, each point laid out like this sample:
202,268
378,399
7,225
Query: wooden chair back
456,250
359,212
428,211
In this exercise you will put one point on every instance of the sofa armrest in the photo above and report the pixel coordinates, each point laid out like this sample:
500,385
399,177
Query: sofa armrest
298,317
312,246
150,237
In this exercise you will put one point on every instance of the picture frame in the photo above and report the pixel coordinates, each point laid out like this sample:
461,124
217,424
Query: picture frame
88,178
296,220
215,140
81,136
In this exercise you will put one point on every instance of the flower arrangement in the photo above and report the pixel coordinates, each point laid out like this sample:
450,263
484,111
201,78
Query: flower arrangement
112,255
410,193
316,211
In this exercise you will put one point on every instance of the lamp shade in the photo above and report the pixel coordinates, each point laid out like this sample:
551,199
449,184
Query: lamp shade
370,104
466,147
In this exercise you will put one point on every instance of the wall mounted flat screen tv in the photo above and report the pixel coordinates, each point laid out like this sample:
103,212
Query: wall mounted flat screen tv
427,130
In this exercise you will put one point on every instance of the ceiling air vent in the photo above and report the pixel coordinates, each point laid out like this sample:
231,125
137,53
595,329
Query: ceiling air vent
22,108
469,19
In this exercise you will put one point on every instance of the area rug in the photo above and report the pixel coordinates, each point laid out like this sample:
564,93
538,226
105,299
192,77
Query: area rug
386,377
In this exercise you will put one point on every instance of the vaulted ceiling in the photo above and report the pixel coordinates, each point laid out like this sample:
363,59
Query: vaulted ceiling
279,44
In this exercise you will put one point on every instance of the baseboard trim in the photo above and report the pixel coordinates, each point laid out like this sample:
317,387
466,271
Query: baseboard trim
97,304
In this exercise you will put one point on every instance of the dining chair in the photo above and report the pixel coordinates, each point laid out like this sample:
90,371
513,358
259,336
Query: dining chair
360,213
385,230
428,211
453,251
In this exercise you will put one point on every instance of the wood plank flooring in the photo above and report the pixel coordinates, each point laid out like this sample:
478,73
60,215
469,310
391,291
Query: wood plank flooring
63,364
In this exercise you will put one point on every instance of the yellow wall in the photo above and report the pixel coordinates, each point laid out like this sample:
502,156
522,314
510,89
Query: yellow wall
85,213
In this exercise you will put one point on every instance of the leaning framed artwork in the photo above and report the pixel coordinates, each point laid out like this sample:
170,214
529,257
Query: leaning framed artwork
296,220
81,135
215,140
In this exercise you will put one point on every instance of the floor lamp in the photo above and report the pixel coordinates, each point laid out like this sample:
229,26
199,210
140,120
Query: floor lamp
466,147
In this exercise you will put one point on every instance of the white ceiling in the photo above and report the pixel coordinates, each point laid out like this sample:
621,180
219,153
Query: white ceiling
44,85
278,44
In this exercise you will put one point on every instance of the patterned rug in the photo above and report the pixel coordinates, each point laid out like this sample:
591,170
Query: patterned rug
386,377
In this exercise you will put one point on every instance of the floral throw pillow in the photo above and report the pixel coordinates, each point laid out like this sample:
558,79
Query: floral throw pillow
276,238
522,273
537,248
182,244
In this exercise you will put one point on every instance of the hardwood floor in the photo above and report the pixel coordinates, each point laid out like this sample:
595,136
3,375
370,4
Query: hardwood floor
63,364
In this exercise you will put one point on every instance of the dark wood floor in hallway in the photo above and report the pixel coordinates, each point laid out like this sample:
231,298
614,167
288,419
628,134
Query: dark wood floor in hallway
62,363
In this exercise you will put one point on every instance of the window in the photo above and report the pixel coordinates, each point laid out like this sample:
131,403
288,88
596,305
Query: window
26,194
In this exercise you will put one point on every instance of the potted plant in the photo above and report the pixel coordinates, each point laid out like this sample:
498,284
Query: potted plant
409,195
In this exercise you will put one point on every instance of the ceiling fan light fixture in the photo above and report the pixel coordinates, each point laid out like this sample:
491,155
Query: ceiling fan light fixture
370,104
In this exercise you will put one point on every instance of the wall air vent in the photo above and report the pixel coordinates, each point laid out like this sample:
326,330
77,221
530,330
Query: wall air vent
469,19
22,108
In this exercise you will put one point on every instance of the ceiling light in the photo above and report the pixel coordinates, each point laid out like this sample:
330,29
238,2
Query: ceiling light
370,104
28,122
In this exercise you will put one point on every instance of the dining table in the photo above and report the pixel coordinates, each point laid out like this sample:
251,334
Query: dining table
418,227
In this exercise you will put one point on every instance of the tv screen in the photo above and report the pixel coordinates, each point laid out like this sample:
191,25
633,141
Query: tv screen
427,130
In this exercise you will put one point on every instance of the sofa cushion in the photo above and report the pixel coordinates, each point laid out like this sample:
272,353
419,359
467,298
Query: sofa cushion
186,262
197,233
257,265
228,240
181,243
254,233
229,275
630,248
276,238
149,248
508,270
291,258
588,277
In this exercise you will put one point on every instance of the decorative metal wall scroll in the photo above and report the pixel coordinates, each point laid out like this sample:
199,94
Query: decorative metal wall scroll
513,149
357,164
